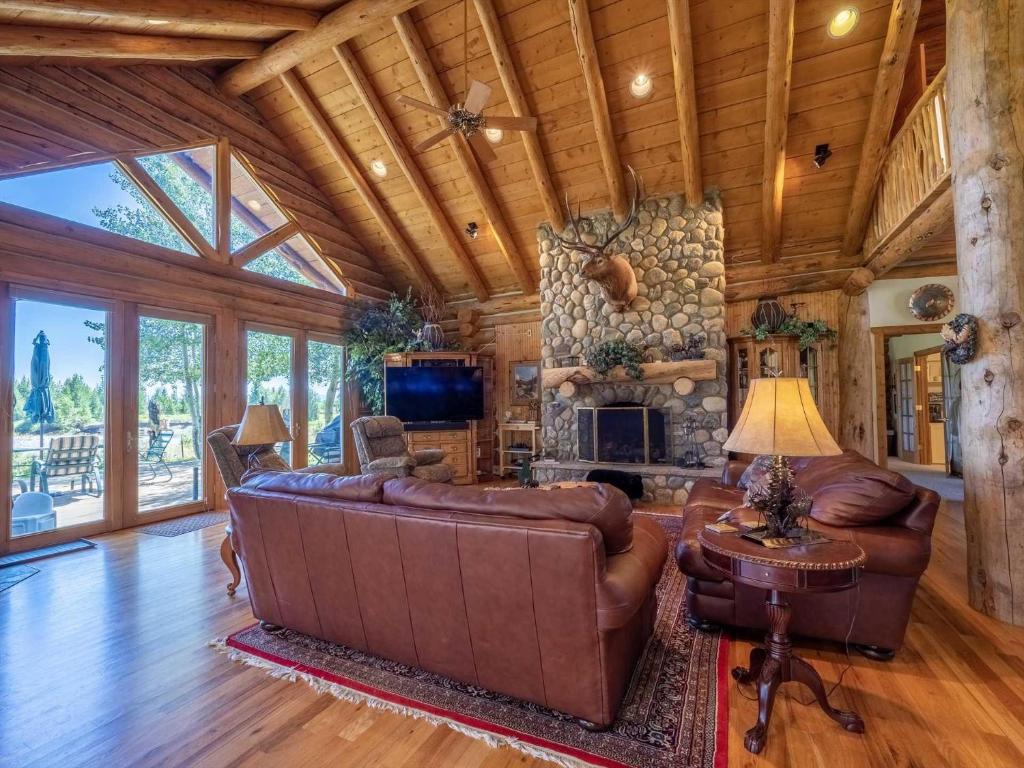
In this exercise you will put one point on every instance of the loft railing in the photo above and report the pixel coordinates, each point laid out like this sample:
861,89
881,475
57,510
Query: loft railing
916,165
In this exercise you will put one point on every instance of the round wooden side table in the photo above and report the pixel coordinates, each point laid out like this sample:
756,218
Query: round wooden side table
824,567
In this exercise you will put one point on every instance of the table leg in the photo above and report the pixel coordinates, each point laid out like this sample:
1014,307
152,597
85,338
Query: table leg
227,554
775,664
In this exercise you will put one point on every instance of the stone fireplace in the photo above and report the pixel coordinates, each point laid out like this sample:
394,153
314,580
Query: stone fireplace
677,254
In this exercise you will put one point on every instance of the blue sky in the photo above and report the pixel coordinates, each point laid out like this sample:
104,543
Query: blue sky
70,352
71,193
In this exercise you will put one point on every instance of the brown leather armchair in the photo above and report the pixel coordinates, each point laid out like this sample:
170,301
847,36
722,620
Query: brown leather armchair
557,593
850,494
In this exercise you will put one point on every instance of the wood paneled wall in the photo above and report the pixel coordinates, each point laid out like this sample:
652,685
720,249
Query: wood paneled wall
823,305
512,343
54,114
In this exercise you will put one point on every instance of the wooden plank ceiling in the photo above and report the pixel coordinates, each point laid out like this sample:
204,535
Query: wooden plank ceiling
832,84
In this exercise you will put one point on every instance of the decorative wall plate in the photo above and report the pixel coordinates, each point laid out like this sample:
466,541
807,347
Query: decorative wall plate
931,302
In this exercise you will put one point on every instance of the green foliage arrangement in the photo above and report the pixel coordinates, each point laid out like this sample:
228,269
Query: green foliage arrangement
807,331
608,354
393,327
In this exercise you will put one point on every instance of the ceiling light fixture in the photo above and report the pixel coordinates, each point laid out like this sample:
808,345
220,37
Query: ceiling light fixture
843,22
158,21
494,135
641,86
821,154
472,230
380,170
254,205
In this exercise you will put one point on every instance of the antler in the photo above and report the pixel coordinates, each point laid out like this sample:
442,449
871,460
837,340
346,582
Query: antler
634,208
594,250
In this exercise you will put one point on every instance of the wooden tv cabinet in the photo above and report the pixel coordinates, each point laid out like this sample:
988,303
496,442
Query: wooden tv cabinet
466,450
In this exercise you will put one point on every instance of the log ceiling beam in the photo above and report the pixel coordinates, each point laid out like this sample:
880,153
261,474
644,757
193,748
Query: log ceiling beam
892,68
436,95
780,70
583,35
264,243
928,219
681,39
403,157
16,40
338,26
341,156
207,12
812,282
517,101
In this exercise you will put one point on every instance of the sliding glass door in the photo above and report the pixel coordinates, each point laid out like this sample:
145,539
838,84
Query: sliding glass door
60,447
270,377
167,430
325,365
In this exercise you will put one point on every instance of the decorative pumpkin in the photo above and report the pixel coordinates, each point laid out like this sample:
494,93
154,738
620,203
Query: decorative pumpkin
961,337
931,302
768,313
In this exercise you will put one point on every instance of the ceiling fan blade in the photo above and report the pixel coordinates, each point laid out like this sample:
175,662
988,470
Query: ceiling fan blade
411,102
512,123
477,97
482,147
434,139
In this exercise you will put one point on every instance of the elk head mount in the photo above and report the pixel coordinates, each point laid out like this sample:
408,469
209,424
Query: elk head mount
612,271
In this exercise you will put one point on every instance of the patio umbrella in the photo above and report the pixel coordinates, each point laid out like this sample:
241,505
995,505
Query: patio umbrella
39,406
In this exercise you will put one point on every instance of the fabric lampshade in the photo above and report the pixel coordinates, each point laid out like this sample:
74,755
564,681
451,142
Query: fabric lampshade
779,418
262,425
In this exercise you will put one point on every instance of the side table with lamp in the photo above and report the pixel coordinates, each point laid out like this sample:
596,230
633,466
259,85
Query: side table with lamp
780,419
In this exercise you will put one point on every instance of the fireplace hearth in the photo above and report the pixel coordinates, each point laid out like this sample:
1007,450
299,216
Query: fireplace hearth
623,433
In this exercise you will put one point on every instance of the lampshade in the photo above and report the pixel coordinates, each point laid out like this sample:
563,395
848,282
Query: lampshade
780,418
262,425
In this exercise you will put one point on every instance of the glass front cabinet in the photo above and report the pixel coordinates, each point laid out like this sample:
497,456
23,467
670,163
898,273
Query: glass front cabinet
777,356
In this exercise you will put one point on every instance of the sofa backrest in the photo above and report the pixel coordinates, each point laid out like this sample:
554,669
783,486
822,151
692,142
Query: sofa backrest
507,603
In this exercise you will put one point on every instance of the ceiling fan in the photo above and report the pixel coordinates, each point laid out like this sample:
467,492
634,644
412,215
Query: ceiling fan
468,119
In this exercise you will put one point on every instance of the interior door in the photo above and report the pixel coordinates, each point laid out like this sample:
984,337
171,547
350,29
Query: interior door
167,414
906,385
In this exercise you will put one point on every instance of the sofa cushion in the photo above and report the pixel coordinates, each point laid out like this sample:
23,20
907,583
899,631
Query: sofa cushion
366,488
604,507
850,490
754,472
709,493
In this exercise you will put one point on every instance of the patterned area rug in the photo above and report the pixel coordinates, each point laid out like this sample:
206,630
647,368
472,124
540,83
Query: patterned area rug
187,524
675,714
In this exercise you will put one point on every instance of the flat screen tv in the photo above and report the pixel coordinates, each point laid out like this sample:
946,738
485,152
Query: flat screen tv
443,393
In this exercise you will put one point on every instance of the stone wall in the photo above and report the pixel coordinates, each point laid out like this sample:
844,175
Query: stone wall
678,256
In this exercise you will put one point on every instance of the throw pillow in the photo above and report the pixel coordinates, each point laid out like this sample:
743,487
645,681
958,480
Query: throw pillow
754,472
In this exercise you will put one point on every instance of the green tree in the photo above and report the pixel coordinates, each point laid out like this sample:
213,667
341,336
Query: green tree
324,370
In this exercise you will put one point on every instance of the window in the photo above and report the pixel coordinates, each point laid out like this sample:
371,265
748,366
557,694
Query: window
98,195
187,177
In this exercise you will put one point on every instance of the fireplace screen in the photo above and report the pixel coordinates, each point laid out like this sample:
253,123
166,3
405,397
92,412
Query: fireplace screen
623,435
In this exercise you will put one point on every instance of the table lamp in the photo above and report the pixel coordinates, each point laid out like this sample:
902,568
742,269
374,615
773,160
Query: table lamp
779,419
261,425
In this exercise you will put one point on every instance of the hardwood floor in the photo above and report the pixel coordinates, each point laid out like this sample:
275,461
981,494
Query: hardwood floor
103,662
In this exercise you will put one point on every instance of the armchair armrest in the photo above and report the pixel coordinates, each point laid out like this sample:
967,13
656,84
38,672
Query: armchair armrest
425,456
631,575
396,466
326,469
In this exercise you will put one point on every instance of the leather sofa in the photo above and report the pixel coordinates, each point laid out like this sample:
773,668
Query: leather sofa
854,499
548,596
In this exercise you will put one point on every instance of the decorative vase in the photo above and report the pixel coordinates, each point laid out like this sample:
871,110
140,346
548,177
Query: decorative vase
768,313
433,335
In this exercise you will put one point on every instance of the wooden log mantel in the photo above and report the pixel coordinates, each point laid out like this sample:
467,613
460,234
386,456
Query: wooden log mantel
654,373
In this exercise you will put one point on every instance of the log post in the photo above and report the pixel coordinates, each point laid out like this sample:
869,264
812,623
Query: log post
856,372
985,44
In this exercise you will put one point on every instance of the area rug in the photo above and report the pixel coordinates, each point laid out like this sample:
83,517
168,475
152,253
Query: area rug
15,574
187,524
675,714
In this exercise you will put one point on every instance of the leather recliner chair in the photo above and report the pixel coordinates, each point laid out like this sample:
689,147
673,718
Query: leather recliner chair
854,499
556,588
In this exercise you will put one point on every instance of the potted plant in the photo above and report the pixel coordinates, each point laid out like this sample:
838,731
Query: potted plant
608,354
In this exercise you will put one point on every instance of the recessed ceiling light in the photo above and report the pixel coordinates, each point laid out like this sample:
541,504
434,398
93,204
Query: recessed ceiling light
254,205
494,135
843,22
641,86
379,169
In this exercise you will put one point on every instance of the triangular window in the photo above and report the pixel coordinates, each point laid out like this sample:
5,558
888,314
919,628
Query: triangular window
99,195
253,213
187,178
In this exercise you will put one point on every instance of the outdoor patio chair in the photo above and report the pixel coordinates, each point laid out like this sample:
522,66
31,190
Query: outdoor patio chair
153,456
74,456
32,513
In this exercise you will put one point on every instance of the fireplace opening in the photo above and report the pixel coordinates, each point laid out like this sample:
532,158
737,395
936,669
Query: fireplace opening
623,433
